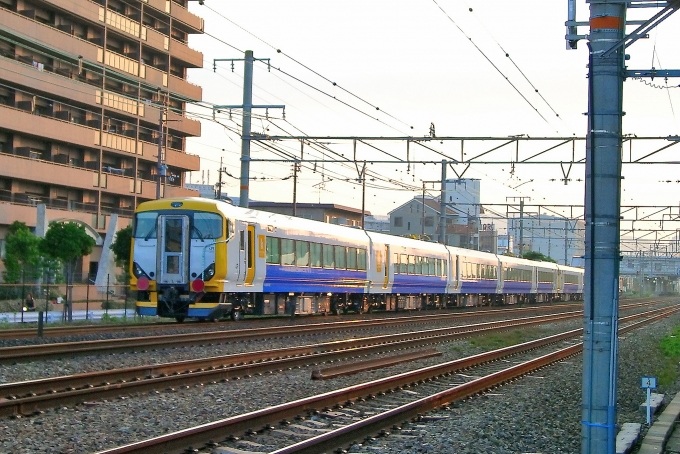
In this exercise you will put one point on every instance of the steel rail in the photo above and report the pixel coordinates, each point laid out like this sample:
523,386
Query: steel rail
30,396
24,353
61,331
180,441
374,424
69,349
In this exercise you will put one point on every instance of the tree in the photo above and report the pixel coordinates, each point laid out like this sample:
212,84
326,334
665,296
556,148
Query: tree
120,246
537,256
22,254
67,242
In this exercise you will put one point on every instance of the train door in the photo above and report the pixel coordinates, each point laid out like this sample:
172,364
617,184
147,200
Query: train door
250,255
173,250
246,253
387,266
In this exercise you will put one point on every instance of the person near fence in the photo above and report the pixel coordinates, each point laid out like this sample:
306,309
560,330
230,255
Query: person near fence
30,302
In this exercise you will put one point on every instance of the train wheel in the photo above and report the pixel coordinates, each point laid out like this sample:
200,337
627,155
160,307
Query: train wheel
179,318
236,315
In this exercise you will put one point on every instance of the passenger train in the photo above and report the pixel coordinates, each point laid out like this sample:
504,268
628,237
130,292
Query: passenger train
206,259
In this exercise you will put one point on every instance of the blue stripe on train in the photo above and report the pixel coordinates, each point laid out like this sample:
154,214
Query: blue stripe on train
478,286
411,283
516,287
570,288
302,279
545,287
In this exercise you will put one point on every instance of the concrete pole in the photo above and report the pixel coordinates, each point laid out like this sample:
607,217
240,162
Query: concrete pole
245,134
442,207
161,170
363,197
602,239
521,228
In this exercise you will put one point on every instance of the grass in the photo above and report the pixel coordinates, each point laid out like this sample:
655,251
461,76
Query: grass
670,349
503,339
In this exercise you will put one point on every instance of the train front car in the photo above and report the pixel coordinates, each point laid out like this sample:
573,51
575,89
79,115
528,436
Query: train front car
175,267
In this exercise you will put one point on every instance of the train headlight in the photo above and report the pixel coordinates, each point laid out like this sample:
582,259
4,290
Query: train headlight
143,283
138,271
198,285
209,272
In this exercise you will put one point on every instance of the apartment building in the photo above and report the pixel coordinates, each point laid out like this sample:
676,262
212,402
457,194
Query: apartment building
90,92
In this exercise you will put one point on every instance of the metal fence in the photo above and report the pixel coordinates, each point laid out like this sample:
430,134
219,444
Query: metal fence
53,297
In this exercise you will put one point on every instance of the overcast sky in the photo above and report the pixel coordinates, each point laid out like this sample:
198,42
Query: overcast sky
420,62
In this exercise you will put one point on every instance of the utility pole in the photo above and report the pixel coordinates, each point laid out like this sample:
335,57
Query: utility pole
422,222
219,182
161,165
296,167
363,197
442,207
521,223
247,107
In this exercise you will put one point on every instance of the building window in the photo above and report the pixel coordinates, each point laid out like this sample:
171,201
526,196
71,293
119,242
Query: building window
398,221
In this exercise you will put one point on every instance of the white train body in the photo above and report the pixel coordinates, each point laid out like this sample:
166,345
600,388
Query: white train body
203,258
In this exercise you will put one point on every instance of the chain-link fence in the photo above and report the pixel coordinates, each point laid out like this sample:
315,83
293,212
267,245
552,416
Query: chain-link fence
15,298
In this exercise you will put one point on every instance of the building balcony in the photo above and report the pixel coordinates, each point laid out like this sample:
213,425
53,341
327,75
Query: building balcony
181,51
157,40
26,168
183,124
39,126
52,37
180,160
84,8
183,15
184,88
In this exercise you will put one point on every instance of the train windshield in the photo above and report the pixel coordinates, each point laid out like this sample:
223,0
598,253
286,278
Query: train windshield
203,225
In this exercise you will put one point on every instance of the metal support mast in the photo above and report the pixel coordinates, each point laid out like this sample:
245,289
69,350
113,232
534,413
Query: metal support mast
247,107
602,239
442,207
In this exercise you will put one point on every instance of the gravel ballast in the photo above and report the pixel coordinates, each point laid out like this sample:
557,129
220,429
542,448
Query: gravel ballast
540,413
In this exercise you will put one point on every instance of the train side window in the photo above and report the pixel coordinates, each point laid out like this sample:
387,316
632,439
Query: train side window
419,265
361,260
242,240
302,253
352,258
437,267
430,265
328,256
273,250
340,257
403,264
315,255
411,264
287,252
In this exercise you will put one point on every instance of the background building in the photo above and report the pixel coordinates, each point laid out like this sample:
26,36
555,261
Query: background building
84,87
556,237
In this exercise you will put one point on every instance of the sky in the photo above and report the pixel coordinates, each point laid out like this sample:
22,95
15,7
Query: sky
391,68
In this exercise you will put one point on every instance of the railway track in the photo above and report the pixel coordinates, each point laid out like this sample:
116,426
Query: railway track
84,330
25,398
332,407
56,350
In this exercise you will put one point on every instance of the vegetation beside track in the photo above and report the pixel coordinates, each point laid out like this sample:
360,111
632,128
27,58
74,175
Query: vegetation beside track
669,348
